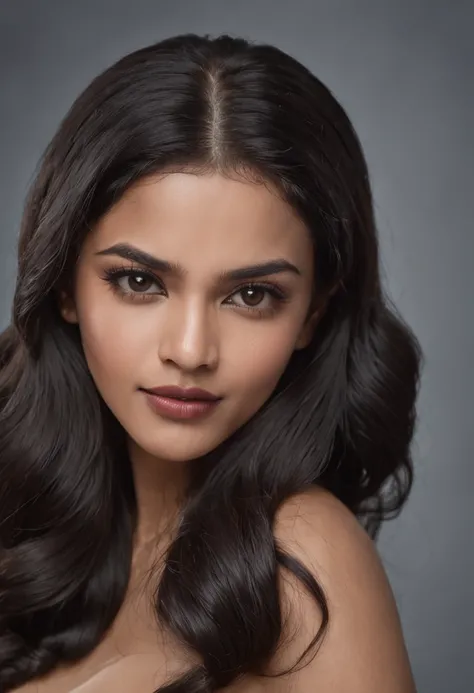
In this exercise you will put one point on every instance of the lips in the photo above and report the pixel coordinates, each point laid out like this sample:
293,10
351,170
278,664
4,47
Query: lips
185,394
181,404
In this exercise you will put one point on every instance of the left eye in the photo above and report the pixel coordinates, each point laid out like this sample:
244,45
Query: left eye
258,297
252,295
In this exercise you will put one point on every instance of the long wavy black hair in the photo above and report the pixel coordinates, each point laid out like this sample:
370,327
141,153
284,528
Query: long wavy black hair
342,415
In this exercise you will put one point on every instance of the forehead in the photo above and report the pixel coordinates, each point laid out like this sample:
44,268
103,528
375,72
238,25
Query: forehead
204,219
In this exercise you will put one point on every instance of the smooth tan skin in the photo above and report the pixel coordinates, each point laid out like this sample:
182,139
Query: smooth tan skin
197,333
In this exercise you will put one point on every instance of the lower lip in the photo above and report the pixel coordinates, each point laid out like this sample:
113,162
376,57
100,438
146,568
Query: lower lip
180,409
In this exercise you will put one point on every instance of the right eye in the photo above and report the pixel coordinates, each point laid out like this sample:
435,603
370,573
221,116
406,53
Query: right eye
133,283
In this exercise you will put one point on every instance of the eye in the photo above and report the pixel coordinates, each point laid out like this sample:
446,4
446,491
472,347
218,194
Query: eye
133,283
261,298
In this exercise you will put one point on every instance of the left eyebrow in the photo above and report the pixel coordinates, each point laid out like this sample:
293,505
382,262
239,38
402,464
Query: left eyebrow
130,252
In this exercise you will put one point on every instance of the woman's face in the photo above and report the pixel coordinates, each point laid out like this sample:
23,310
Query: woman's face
184,320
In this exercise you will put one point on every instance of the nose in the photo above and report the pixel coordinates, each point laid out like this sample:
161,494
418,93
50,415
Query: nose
188,336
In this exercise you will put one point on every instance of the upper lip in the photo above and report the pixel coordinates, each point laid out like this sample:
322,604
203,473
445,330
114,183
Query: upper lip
181,393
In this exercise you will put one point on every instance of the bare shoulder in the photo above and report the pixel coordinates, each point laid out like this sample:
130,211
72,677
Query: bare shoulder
364,649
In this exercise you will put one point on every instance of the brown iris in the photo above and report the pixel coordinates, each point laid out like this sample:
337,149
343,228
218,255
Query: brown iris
139,282
252,296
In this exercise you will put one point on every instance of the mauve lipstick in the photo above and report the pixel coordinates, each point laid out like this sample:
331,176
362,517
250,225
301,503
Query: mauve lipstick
180,404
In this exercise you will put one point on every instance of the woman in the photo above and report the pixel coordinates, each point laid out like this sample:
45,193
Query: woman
207,401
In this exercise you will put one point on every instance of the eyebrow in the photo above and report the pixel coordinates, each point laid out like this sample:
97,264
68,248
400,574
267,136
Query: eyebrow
130,252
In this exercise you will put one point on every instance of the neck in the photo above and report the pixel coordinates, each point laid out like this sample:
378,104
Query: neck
160,487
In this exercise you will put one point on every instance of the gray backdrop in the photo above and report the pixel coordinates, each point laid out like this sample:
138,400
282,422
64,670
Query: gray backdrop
403,70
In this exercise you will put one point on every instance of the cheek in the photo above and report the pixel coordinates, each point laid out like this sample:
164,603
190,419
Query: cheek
261,362
111,345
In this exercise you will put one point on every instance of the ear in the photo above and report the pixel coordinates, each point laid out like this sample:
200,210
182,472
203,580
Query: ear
67,307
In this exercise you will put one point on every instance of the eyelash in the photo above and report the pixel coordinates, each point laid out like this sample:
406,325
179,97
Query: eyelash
112,275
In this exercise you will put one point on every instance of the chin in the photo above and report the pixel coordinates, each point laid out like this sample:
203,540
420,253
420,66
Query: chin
177,443
177,453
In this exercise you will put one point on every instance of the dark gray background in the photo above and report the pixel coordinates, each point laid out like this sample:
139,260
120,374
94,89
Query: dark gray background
403,70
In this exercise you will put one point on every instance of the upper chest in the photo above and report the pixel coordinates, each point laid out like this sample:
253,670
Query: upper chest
136,654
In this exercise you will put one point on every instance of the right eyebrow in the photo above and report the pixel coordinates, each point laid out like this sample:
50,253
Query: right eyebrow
130,252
